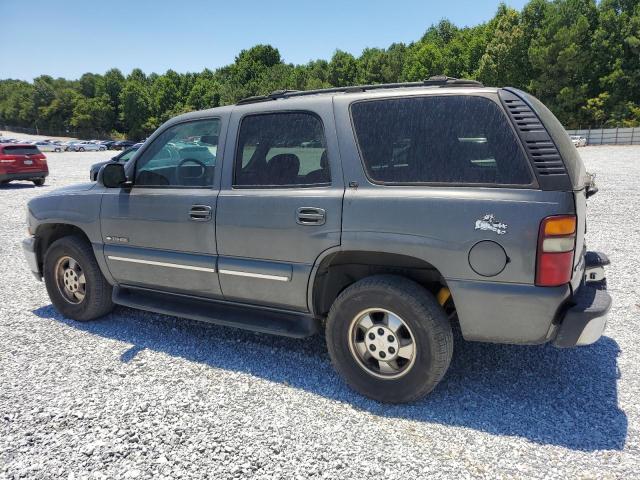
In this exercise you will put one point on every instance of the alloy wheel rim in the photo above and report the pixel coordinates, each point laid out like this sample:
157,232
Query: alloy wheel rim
382,343
70,279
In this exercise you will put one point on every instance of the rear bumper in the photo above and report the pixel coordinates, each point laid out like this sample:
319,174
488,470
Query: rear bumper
527,314
584,322
30,175
29,250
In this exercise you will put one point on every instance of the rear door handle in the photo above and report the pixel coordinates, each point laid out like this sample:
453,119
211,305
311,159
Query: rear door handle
200,213
310,216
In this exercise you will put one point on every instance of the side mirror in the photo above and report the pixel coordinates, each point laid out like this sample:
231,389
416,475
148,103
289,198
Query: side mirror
112,175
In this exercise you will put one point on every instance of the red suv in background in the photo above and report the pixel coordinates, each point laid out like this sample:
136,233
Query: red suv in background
22,162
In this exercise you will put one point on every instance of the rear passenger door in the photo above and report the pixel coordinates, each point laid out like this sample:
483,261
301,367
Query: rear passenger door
280,204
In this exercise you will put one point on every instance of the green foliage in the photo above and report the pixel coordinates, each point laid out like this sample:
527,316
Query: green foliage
580,57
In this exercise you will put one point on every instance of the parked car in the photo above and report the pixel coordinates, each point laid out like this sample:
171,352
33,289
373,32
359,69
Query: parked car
86,147
578,141
123,157
108,144
47,147
380,214
22,162
66,146
123,144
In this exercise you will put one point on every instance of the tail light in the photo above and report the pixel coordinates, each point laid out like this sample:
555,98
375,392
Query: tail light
556,245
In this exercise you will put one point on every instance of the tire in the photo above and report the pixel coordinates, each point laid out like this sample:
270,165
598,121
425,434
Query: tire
57,150
96,301
81,149
38,182
424,320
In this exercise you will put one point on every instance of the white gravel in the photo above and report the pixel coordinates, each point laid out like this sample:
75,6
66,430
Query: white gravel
139,395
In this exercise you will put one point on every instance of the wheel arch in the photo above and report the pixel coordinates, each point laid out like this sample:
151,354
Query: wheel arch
336,269
47,233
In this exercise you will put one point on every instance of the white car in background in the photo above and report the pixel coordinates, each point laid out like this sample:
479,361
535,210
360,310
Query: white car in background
86,147
48,147
579,141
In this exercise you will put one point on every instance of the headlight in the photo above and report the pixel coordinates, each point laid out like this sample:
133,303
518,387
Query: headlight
31,233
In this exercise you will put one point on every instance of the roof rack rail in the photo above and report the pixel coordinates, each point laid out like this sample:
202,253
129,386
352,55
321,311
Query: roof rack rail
434,81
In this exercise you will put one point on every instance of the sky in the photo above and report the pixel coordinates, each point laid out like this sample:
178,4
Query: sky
66,38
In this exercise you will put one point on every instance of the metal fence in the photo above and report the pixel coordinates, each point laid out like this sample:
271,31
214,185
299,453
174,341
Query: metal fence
609,136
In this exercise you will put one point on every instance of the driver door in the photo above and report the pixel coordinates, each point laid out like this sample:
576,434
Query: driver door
160,233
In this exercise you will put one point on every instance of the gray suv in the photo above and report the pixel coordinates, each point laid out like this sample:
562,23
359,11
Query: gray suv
383,215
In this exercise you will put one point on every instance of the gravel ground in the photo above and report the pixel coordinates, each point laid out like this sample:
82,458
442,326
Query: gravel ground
144,395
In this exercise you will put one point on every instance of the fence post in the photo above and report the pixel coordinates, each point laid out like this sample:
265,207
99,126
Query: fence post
633,134
589,136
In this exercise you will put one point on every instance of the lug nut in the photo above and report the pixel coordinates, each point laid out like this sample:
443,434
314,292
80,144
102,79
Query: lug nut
372,348
380,331
391,339
392,350
382,354
371,336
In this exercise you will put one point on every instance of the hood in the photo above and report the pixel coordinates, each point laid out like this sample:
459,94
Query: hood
77,187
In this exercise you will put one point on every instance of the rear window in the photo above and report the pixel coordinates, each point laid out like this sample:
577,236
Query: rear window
20,150
438,139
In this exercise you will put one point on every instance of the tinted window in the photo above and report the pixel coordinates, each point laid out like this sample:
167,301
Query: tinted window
21,150
281,149
447,139
183,155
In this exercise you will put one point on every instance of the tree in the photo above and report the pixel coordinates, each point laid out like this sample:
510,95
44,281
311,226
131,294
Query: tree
580,57
423,60
136,109
343,69
205,93
506,59
91,114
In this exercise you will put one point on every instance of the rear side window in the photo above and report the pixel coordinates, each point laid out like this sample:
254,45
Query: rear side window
438,139
281,150
20,150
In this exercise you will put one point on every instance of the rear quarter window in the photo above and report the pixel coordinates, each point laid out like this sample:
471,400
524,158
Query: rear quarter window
438,139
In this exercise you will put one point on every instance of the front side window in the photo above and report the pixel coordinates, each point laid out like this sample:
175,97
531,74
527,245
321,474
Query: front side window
183,155
281,150
438,139
127,155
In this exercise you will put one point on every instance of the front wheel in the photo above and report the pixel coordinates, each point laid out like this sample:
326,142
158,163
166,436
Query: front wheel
81,149
389,339
74,281
38,182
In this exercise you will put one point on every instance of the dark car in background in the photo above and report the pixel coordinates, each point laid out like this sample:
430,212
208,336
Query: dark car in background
122,157
123,144
22,161
108,144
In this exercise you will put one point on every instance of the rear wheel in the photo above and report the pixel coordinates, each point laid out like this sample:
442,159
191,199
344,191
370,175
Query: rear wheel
389,339
74,281
38,182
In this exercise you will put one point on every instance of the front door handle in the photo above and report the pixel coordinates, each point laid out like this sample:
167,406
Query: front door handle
200,213
310,216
